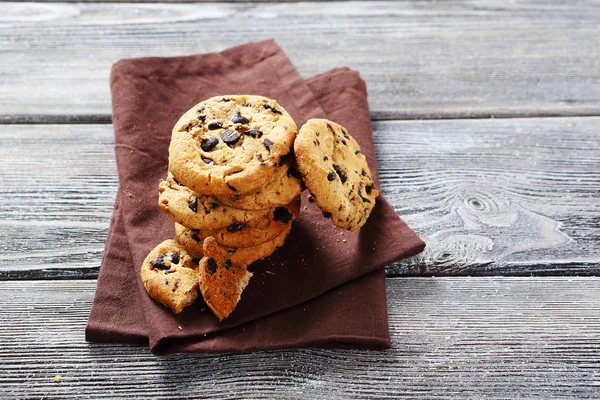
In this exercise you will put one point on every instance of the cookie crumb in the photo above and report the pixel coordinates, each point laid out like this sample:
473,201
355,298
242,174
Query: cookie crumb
269,272
57,378
180,328
344,240
311,198
128,194
305,207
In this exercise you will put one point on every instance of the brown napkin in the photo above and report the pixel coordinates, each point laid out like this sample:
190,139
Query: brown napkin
324,288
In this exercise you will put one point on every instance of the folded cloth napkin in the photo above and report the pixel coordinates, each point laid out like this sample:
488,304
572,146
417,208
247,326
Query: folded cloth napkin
324,288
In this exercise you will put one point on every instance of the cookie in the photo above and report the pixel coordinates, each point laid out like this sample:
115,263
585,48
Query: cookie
335,172
247,234
221,280
199,211
170,276
230,145
242,255
286,185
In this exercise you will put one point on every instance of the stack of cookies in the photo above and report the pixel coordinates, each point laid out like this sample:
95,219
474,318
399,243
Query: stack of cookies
233,191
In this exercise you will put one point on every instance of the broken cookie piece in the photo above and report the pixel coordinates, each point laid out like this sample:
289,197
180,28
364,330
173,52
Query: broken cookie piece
170,276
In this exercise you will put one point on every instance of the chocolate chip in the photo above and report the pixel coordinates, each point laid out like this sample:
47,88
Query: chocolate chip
293,172
239,119
174,257
209,143
368,189
331,129
331,176
227,263
326,214
187,126
224,100
325,158
235,227
232,187
311,198
195,236
343,142
212,125
230,137
207,160
254,132
267,106
345,133
159,262
193,205
268,144
341,173
357,152
212,266
167,272
282,214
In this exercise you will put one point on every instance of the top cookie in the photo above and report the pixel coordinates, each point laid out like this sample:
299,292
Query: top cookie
335,172
229,145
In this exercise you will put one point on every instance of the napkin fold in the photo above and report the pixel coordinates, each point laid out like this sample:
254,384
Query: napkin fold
324,288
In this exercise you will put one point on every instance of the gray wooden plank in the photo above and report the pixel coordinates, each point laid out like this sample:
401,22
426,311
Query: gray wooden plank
420,59
503,196
496,338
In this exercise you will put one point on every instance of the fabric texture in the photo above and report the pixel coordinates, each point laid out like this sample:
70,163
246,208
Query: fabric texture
324,288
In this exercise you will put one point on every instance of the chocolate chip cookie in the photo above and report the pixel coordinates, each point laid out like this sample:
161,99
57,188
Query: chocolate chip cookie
200,211
242,255
247,234
222,281
286,185
229,145
335,172
170,276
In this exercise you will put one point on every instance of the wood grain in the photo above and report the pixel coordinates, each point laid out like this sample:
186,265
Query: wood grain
497,338
504,196
420,59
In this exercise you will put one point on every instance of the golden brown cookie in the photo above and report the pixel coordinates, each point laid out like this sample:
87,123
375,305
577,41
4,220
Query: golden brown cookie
335,172
286,185
247,234
170,276
198,211
230,145
221,280
242,255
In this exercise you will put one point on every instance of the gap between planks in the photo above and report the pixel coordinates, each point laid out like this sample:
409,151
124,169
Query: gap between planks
104,119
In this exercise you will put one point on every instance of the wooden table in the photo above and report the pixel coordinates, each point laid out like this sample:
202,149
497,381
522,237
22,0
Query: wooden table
486,118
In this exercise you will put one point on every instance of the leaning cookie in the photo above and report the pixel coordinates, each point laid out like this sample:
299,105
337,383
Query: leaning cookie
221,280
286,185
242,255
170,276
248,234
198,211
230,145
335,172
